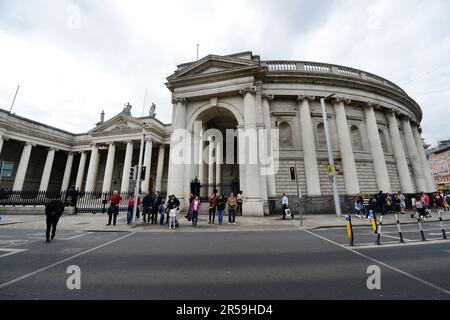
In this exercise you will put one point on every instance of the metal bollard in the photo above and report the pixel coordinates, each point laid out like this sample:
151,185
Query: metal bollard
442,224
399,228
350,234
379,231
420,226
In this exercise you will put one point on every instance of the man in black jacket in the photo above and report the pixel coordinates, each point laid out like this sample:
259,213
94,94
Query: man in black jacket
147,203
53,210
157,200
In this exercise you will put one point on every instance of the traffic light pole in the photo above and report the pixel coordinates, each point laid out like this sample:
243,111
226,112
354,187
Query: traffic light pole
331,167
138,181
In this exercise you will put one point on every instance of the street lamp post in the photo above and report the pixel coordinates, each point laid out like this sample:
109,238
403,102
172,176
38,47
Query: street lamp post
138,181
331,166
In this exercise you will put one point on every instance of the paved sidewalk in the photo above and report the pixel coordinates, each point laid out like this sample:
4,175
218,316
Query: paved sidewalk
97,222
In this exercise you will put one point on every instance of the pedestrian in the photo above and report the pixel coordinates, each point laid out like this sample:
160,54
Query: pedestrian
447,202
212,207
173,218
240,201
113,209
232,205
439,202
402,201
359,208
169,204
147,207
366,205
420,206
53,211
426,200
284,205
381,203
389,202
189,214
174,204
130,209
156,202
162,212
195,209
220,208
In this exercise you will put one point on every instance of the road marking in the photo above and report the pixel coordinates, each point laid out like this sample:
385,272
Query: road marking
383,264
63,261
10,252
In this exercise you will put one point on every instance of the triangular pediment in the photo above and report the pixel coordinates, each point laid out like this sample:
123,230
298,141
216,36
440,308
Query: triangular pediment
212,65
120,122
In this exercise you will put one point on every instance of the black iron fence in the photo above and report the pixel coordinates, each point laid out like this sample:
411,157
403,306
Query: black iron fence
28,198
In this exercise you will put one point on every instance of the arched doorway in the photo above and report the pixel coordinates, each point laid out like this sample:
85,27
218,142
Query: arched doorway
217,167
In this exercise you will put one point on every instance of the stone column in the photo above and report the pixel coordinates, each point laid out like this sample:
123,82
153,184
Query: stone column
147,164
429,181
219,163
271,185
345,146
47,170
177,170
1,144
91,179
253,204
399,154
23,166
67,172
188,163
309,147
160,168
109,167
201,166
80,173
125,186
211,164
413,155
379,162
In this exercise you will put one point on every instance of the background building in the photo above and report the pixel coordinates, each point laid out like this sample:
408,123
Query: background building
375,128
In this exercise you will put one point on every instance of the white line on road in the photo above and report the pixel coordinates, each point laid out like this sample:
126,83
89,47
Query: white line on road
10,251
63,261
382,263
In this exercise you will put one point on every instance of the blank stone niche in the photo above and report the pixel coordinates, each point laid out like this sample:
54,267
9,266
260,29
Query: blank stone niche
285,135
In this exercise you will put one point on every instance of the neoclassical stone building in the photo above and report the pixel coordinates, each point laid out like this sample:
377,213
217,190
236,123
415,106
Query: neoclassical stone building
375,129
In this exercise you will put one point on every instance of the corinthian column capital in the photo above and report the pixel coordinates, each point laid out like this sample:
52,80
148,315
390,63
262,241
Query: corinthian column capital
372,104
303,97
336,100
179,100
268,97
251,90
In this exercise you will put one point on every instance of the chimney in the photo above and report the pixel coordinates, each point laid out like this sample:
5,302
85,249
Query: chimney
102,116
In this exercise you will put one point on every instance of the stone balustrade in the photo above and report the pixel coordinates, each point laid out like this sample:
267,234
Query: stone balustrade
306,66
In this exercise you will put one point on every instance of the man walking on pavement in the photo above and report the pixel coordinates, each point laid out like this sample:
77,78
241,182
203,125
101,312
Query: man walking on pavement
53,211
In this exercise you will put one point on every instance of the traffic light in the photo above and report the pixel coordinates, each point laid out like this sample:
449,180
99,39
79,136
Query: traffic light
143,170
133,173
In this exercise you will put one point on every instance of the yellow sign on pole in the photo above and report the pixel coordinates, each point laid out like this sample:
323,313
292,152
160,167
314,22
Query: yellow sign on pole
330,169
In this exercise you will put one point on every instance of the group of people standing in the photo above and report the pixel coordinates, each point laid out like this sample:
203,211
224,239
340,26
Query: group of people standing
154,206
217,203
380,203
386,203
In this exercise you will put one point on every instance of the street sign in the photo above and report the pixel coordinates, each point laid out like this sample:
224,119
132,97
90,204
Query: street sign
330,169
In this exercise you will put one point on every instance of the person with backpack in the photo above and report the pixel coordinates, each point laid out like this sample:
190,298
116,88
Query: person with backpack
53,211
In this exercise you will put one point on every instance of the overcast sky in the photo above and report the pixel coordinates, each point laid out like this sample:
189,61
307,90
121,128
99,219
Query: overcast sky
71,69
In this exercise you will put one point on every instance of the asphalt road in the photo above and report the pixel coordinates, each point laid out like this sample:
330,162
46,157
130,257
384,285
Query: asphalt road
275,265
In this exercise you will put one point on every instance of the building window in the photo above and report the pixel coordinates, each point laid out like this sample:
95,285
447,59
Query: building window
321,139
285,135
6,169
356,139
